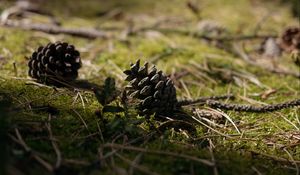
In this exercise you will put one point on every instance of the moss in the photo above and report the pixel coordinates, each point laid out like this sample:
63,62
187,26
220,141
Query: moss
80,133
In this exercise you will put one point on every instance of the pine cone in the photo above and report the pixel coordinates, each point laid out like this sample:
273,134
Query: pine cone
155,91
290,39
55,63
296,57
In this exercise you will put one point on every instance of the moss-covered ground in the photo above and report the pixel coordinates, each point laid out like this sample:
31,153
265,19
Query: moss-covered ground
59,129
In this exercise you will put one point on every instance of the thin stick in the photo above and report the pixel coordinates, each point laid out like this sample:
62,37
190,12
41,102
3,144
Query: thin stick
82,101
204,99
15,69
289,121
210,148
204,36
103,157
54,144
216,131
276,158
53,29
249,108
132,148
228,118
235,38
293,160
22,143
135,161
133,164
82,120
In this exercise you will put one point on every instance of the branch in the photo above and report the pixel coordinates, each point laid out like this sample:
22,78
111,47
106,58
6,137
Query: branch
52,29
204,99
202,35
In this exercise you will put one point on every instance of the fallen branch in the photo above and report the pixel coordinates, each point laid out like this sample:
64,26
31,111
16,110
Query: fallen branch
235,37
250,108
204,99
52,29
202,35
47,28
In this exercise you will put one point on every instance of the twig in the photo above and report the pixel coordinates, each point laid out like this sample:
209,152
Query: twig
282,72
177,124
204,99
214,38
249,108
256,170
132,148
236,37
136,160
54,144
178,75
15,69
82,101
293,160
100,131
289,121
196,34
82,120
216,131
210,148
228,118
133,164
76,162
22,143
103,157
276,158
52,29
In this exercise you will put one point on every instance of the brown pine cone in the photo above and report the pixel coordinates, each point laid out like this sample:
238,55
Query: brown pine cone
153,89
290,39
55,63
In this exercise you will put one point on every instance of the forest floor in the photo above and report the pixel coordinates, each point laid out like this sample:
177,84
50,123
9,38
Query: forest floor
205,46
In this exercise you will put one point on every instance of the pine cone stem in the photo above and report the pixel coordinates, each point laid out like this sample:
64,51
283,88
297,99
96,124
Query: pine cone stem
249,108
204,99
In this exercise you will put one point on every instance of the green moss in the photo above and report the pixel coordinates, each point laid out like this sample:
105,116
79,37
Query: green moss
80,133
